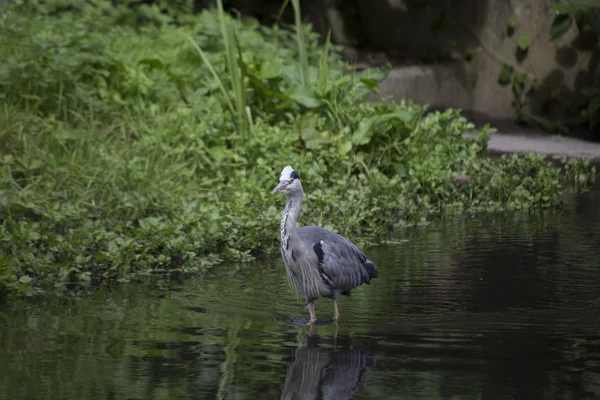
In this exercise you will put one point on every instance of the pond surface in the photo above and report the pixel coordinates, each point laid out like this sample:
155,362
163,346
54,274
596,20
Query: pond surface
497,307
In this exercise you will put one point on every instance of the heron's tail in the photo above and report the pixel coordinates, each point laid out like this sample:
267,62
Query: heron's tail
371,269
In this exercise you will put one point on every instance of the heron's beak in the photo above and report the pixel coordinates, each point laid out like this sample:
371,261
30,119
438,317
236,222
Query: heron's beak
278,188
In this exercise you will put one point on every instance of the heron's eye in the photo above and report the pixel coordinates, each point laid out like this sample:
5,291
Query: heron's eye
290,181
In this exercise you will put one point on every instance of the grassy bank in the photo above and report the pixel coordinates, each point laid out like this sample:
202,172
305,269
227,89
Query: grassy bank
134,141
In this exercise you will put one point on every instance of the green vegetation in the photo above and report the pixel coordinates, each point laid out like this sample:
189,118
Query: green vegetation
137,140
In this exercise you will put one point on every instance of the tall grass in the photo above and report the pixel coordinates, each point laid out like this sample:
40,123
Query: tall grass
236,102
303,61
234,63
237,70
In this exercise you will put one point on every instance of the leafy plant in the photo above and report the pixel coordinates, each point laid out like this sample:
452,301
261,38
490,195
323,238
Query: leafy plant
524,42
125,152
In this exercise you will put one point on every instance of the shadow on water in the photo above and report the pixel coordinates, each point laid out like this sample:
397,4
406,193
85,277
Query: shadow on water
487,307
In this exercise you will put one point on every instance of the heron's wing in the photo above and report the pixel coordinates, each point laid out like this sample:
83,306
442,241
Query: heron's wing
341,263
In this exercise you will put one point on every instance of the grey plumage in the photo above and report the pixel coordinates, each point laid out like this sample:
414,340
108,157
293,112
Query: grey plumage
341,264
318,262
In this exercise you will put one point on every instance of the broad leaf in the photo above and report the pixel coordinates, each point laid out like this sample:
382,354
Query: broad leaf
304,96
560,26
271,68
524,42
564,8
345,148
370,83
364,133
154,63
376,74
580,20
313,139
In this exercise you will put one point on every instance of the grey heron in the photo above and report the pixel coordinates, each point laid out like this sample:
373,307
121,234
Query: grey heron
318,262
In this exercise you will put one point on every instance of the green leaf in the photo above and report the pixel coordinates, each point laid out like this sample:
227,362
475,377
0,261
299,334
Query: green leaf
250,23
113,247
8,159
345,148
376,74
154,63
512,22
314,139
28,164
364,132
304,96
580,19
271,68
370,83
505,74
560,26
563,8
524,42
30,96
25,279
518,84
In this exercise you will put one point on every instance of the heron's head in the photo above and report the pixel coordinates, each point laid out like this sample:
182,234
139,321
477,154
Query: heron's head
288,181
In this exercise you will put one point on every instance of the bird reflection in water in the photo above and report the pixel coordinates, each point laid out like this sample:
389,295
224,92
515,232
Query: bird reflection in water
335,372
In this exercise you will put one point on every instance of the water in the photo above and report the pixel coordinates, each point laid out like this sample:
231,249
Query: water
497,307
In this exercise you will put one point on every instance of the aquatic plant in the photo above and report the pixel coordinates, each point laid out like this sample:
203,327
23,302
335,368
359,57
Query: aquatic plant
126,149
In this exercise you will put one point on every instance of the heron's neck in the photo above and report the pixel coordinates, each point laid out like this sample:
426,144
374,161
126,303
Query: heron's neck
293,205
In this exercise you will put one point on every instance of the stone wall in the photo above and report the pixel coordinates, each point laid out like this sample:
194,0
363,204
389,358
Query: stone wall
450,52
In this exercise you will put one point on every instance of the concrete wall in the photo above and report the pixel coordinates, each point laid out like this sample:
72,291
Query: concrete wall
431,37
408,29
561,68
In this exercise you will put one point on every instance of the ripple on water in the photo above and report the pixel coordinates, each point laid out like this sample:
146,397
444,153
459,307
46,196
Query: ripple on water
504,306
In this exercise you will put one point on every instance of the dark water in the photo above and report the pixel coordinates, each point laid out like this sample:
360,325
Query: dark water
501,307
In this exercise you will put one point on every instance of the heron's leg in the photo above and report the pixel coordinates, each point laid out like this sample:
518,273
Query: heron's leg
336,313
313,315
336,330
